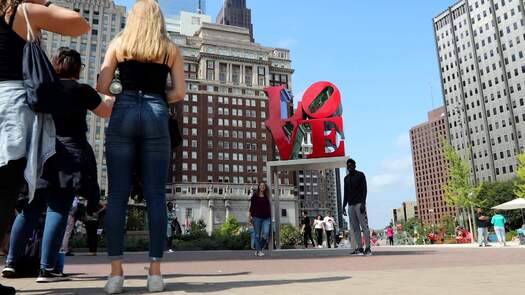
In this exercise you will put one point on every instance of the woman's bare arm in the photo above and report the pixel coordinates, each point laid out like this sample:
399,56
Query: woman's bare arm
54,18
177,78
107,73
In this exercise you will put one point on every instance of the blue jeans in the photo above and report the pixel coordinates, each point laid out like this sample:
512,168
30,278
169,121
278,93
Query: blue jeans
137,136
58,205
261,227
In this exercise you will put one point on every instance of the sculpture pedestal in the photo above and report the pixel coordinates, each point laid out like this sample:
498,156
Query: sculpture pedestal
273,169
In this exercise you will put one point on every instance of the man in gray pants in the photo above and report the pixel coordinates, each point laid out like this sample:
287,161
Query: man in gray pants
355,198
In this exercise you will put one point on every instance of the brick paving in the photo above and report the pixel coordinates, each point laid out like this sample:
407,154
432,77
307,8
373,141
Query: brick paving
392,270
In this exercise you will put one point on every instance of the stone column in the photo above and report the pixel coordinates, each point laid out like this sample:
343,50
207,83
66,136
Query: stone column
210,217
227,205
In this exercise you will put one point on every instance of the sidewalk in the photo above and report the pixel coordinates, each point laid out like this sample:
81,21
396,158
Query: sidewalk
392,270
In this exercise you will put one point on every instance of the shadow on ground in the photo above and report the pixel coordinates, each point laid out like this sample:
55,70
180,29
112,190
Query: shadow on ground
190,256
82,277
192,287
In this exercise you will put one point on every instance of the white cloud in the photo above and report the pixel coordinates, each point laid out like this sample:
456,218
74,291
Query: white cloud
287,42
403,141
395,174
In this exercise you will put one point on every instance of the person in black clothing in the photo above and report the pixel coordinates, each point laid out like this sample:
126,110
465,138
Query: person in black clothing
92,222
306,228
72,170
260,215
22,135
482,222
355,198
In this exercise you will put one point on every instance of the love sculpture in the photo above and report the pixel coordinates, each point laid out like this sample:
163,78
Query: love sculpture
318,114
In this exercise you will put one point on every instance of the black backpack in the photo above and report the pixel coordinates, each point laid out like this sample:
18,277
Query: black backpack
45,92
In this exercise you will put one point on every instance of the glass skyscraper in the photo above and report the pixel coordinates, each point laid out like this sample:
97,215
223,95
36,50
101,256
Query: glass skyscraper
172,8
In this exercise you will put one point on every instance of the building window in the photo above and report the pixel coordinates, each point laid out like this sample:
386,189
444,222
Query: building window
248,76
261,76
223,71
236,74
210,70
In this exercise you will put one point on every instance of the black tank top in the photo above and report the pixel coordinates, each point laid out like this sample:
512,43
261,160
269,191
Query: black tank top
11,50
146,76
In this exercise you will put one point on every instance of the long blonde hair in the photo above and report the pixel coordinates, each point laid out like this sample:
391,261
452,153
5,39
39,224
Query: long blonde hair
145,37
6,5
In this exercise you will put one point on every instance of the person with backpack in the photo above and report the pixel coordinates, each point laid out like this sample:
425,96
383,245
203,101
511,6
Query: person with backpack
139,129
72,170
21,154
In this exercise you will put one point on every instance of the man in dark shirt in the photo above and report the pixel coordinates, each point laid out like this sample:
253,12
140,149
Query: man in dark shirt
355,198
483,222
306,229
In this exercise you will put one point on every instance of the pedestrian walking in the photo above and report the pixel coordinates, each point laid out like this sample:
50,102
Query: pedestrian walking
329,226
390,235
498,221
482,222
319,228
306,229
355,192
171,226
92,222
27,138
260,215
139,130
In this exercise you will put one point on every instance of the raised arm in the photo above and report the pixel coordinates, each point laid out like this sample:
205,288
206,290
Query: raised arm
55,19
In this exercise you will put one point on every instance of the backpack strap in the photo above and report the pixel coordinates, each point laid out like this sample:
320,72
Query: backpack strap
30,33
166,58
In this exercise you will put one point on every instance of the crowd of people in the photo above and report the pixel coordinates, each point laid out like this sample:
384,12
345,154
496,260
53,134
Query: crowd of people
45,158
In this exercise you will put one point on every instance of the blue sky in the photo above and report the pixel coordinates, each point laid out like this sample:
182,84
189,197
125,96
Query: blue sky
382,57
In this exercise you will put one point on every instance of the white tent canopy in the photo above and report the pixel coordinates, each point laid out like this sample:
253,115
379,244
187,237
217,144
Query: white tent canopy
518,203
512,205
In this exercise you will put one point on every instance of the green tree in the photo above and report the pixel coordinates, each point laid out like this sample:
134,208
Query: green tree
230,227
520,173
290,236
495,193
459,190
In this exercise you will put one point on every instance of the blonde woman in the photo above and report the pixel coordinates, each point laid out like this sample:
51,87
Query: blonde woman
138,129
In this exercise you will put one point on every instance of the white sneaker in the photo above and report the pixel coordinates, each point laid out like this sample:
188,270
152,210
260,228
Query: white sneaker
256,253
114,285
155,284
261,254
171,251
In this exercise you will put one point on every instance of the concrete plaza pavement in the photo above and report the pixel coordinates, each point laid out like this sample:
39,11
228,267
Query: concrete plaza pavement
391,270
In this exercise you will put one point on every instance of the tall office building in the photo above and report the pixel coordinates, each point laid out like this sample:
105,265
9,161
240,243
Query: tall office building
480,46
106,20
226,144
318,193
235,13
430,167
173,8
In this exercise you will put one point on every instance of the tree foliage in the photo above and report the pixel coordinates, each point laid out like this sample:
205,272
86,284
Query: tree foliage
520,173
230,227
495,193
459,190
